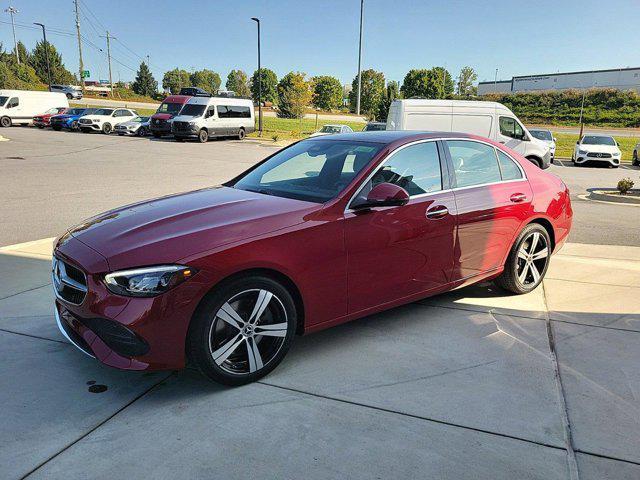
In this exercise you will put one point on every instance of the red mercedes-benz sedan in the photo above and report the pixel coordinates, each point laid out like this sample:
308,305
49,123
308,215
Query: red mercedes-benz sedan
324,231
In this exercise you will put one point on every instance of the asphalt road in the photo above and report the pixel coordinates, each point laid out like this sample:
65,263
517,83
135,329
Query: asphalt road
51,180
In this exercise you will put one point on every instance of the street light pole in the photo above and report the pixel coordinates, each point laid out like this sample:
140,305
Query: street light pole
46,51
360,61
12,11
257,20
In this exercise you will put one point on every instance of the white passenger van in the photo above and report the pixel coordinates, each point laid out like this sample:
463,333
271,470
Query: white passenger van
20,106
486,119
206,117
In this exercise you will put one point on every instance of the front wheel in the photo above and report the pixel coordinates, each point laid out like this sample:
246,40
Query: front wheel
142,132
528,260
242,330
203,136
107,128
5,122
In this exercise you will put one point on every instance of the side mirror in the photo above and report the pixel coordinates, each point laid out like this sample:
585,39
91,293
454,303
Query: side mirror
555,139
383,195
578,142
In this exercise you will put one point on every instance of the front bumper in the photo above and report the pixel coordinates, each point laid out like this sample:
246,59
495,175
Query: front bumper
124,131
126,332
584,159
90,126
161,127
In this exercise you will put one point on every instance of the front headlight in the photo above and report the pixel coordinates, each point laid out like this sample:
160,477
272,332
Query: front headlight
616,154
582,152
147,281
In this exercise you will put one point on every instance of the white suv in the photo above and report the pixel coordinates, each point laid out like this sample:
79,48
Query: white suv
104,119
597,148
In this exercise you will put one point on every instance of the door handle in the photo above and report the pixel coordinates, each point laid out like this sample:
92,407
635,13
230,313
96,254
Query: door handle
437,212
502,142
518,197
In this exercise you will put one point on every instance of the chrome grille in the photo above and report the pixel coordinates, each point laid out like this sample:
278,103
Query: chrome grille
69,282
598,155
85,121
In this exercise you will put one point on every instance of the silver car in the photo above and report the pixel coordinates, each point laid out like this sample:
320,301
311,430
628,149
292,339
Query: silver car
72,92
136,126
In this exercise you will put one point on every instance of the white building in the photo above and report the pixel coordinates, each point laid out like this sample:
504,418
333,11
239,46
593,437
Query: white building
619,78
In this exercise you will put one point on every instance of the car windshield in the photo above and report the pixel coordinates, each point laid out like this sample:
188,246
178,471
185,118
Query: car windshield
167,107
598,140
193,110
330,129
542,134
312,170
103,111
2,100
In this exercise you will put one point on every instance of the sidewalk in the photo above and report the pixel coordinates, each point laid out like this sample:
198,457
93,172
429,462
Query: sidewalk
459,386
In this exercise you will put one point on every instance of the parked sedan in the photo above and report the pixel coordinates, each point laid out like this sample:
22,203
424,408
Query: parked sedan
137,126
104,119
322,232
69,119
597,149
375,126
332,130
547,137
43,120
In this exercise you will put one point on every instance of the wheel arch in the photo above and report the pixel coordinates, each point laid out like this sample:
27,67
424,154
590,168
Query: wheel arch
548,226
535,158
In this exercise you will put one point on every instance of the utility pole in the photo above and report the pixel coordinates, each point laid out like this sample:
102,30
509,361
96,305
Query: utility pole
495,82
46,51
109,37
81,70
12,11
257,20
360,61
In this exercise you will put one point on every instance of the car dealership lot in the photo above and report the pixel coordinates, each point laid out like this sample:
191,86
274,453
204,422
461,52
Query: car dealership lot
463,385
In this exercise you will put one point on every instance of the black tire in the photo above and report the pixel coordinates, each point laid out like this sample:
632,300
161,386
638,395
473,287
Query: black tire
635,160
74,126
141,132
107,128
511,277
535,162
69,96
241,134
203,136
5,122
210,334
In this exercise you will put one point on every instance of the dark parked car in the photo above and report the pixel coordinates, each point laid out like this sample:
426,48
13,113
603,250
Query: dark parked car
374,127
69,119
322,232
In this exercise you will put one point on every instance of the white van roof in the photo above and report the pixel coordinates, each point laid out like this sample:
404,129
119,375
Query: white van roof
220,100
422,102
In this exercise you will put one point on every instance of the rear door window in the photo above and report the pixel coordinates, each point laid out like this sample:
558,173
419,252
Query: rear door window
508,167
474,163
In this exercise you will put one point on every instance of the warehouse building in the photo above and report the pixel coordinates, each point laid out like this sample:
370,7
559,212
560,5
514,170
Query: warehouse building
618,78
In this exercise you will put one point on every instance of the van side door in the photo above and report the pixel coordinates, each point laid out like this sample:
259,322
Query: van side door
511,134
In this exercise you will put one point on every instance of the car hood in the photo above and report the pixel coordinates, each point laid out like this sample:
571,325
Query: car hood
161,116
185,118
176,227
599,148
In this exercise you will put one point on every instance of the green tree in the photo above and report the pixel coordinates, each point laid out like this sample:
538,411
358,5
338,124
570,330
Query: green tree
421,83
392,92
25,56
207,80
238,82
294,94
145,84
175,79
466,81
445,79
327,92
372,93
269,85
38,60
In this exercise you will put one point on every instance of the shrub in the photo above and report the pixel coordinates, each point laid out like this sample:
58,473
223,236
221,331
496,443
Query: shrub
275,137
625,185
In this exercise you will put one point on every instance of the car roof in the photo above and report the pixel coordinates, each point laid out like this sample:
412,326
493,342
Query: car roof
390,136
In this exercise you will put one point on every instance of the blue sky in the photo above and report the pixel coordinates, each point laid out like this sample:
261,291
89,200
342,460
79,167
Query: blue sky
321,37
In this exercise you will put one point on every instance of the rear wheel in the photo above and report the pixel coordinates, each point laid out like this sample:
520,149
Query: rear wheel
535,161
528,260
107,128
242,330
203,136
241,134
5,122
142,131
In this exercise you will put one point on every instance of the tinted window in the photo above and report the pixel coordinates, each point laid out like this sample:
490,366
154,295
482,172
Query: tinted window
508,167
233,111
474,163
509,127
312,170
330,129
193,110
415,168
2,100
597,140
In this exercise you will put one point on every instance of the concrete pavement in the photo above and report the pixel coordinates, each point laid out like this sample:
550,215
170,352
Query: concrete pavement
462,386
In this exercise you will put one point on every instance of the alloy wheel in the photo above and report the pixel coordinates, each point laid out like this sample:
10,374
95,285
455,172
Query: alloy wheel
248,331
533,256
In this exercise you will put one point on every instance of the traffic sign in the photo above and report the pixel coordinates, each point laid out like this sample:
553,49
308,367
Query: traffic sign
86,74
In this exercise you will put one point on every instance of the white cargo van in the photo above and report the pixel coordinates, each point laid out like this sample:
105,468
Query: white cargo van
206,117
20,106
486,119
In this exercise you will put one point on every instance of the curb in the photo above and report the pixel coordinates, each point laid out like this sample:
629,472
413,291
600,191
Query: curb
600,195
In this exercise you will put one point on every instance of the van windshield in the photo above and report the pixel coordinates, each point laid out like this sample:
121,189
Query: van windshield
169,107
541,134
193,110
3,100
